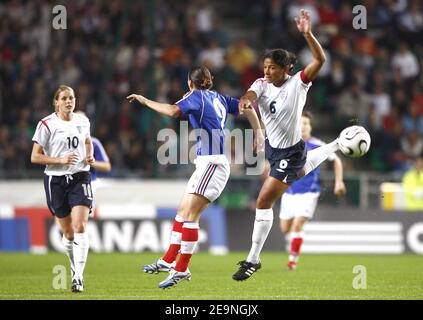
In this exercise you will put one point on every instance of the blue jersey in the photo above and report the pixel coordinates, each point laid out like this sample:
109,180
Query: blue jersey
310,182
207,111
99,155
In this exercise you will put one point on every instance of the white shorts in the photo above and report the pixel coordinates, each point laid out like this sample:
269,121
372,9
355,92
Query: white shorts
298,205
210,176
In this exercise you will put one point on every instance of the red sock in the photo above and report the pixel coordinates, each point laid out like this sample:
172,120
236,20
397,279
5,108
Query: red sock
175,240
189,240
296,246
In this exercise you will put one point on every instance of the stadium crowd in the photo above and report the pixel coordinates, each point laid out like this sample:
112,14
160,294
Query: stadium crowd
112,48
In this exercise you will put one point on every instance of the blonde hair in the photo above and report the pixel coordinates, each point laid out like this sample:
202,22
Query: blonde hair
57,93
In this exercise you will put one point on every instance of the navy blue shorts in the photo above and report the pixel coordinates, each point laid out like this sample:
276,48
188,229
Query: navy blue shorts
65,192
286,164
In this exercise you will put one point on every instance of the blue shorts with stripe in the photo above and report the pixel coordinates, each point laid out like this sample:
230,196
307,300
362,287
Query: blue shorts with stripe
210,176
65,192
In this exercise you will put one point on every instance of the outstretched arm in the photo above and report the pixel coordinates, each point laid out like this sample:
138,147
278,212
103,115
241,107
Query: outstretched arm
170,110
319,58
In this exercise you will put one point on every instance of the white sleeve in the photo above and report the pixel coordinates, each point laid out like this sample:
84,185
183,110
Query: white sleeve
257,87
42,134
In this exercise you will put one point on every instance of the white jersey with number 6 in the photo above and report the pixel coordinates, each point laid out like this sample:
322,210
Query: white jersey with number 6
59,137
281,108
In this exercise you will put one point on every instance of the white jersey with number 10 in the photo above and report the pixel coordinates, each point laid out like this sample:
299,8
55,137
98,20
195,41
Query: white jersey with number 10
59,137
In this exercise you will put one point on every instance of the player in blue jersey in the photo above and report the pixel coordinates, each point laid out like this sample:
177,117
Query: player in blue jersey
207,112
299,201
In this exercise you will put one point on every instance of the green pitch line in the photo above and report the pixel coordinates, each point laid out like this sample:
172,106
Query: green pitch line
119,276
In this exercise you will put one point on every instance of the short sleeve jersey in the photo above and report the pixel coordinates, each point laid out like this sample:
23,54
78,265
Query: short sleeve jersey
281,108
59,137
207,112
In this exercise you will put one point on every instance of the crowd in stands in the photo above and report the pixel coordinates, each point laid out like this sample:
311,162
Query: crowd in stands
110,49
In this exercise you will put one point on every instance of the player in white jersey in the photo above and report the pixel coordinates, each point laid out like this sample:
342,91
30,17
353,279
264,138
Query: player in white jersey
281,100
299,202
63,143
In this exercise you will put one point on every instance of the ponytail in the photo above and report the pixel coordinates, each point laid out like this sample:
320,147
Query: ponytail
201,77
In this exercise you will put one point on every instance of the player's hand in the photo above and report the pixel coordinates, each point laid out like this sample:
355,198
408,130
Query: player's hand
340,189
137,97
70,158
90,160
303,21
244,103
259,142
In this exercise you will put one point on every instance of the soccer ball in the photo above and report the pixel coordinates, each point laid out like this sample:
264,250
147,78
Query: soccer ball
354,142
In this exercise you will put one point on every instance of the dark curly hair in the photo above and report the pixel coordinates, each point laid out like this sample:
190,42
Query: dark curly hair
281,57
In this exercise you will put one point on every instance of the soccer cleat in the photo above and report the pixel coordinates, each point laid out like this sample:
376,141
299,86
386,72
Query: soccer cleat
159,266
175,277
292,265
246,270
77,285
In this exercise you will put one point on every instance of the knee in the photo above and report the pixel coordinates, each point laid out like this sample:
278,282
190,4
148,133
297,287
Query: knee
297,226
284,228
79,226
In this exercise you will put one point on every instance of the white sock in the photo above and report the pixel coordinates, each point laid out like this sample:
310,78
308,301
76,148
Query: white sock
262,225
80,252
293,258
316,156
68,245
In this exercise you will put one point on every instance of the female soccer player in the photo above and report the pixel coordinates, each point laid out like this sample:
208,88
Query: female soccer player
63,143
300,200
207,111
281,100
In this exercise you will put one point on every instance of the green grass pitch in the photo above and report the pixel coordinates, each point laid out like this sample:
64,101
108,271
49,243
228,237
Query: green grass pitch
119,276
